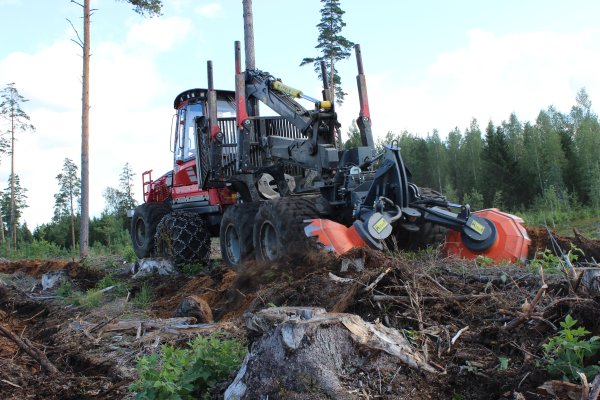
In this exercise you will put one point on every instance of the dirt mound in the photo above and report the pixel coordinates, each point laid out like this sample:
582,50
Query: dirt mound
85,276
34,268
541,239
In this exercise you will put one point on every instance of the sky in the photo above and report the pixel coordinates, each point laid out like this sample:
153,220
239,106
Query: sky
430,65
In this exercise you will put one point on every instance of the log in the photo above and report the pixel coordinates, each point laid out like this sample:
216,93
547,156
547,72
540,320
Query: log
28,348
432,299
561,390
148,324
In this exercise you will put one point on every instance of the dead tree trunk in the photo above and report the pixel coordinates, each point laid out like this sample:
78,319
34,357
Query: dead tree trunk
85,135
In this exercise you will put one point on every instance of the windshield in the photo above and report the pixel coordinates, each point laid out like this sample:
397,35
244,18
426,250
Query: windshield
186,145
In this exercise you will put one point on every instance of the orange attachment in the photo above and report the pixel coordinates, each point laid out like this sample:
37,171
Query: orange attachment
335,237
511,244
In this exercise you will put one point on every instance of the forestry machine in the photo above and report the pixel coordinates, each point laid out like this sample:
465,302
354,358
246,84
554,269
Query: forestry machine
265,184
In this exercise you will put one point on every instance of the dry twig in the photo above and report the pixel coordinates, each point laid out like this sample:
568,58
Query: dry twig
525,316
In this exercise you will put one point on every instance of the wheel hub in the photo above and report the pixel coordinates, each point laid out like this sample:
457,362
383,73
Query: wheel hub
232,245
268,241
140,232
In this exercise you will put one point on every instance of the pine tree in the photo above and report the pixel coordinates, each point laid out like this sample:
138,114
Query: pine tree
142,7
14,198
68,195
333,46
18,121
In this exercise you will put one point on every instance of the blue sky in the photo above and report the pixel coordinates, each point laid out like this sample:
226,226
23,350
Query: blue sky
429,65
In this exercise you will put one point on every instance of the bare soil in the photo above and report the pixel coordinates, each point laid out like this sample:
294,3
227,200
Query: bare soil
455,311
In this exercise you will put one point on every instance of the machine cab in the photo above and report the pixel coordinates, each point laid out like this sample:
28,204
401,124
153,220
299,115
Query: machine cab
191,106
191,113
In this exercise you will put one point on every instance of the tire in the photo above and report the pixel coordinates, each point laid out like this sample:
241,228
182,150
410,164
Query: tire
183,237
143,227
279,227
429,234
235,234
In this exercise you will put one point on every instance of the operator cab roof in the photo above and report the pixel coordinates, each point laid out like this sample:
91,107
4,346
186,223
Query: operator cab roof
196,95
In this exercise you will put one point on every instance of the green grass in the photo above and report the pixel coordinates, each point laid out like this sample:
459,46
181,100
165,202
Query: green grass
585,220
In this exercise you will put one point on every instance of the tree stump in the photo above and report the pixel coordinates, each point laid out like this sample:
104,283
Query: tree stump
194,306
306,350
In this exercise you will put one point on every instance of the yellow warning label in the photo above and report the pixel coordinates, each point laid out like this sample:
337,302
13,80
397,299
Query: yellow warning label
380,225
476,226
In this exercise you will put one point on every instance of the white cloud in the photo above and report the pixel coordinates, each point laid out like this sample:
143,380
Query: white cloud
210,10
125,126
157,34
490,78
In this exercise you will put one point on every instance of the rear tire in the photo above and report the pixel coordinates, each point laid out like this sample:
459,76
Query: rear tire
183,237
235,234
143,227
279,227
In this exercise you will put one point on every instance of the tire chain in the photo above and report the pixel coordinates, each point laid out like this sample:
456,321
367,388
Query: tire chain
182,237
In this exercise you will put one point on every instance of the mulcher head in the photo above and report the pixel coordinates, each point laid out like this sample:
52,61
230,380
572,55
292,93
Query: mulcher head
510,240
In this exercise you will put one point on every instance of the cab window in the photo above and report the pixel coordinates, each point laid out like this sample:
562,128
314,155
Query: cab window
186,145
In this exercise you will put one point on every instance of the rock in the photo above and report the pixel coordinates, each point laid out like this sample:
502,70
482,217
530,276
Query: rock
52,279
306,350
151,266
194,306
590,280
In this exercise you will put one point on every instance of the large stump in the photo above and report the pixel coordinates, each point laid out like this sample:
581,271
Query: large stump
309,351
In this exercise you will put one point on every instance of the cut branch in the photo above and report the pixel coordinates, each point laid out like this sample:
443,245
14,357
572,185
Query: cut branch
28,348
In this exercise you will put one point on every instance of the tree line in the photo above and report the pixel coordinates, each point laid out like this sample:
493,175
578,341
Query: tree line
551,164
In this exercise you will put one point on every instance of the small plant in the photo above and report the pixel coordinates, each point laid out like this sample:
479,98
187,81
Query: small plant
565,352
91,299
192,269
65,290
108,280
143,298
503,363
551,263
414,337
129,254
186,373
484,261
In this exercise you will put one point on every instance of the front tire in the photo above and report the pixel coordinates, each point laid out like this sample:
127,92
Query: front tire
143,227
183,237
235,234
279,227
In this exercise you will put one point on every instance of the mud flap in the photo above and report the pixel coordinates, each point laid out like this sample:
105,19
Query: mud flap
333,236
